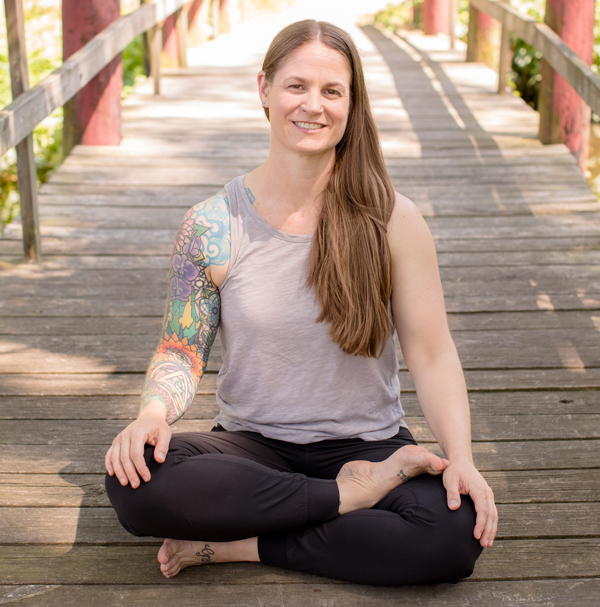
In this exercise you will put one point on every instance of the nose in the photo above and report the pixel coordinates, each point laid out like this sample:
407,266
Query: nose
312,103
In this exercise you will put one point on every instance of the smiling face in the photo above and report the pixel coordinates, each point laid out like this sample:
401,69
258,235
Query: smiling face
308,99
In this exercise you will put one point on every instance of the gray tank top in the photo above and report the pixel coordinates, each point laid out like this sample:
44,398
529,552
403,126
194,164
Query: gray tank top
282,374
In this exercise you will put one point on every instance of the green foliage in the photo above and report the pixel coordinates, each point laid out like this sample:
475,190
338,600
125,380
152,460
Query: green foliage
394,16
132,58
525,76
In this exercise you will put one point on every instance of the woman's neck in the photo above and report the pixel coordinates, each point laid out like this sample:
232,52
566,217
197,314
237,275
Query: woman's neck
295,181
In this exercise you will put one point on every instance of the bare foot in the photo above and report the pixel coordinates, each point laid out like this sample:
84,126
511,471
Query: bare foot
175,555
362,484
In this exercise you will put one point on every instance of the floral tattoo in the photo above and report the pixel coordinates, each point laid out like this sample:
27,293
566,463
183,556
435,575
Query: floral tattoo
193,307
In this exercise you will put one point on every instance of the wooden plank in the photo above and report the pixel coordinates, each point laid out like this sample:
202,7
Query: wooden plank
574,321
53,353
483,404
497,456
508,559
71,214
484,428
317,593
160,242
87,490
103,384
548,348
100,526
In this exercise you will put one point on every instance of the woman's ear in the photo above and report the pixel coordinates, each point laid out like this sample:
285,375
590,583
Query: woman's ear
263,88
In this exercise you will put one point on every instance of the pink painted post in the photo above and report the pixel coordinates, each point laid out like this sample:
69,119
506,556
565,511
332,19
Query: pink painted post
170,55
563,115
196,26
93,116
436,16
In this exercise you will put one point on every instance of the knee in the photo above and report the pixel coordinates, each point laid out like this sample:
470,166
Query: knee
132,505
457,546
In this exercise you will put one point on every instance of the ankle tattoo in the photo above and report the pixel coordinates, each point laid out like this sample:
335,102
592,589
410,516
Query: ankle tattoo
205,554
404,477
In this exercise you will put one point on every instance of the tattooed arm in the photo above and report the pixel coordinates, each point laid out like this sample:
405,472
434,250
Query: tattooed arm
198,266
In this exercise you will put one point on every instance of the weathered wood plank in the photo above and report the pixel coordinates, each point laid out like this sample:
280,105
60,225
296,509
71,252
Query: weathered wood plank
484,428
86,490
64,353
100,526
508,559
151,325
563,405
103,384
489,456
316,593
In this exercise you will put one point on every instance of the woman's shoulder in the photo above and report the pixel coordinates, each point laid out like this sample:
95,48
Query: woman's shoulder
205,231
405,216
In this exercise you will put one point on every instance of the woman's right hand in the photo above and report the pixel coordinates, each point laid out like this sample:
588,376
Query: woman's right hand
125,458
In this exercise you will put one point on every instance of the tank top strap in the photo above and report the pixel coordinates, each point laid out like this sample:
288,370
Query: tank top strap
237,215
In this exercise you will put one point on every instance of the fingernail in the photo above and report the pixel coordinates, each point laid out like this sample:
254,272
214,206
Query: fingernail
122,481
161,455
453,503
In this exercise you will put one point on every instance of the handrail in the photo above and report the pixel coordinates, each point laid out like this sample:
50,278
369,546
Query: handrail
555,51
18,119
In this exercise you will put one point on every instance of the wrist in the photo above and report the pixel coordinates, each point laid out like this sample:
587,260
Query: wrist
153,407
457,457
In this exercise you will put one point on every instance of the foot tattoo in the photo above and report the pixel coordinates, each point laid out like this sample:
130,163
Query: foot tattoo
205,554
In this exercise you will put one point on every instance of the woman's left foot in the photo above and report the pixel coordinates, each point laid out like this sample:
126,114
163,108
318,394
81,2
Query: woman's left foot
175,555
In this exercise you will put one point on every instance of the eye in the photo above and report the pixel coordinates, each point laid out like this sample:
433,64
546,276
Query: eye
331,92
295,86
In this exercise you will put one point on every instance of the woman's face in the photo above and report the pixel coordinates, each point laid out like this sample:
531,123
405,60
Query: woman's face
308,99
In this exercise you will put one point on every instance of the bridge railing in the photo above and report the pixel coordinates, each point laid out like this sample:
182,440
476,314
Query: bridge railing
31,106
560,57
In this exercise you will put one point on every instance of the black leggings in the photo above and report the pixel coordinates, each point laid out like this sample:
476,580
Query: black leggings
222,486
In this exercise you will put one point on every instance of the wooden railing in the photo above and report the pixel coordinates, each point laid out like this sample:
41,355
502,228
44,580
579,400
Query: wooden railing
562,59
31,106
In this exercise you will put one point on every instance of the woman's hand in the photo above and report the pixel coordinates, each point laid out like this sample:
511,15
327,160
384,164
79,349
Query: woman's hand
463,478
125,458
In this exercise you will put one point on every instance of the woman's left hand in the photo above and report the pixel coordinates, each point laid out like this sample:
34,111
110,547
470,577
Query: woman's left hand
463,478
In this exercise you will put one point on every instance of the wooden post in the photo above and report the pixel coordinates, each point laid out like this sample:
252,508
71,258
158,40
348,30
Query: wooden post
170,51
197,17
452,23
564,117
156,52
216,17
224,17
436,16
482,43
26,170
181,25
93,116
504,63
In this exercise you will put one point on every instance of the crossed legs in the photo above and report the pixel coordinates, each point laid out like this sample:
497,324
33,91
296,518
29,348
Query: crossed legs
226,496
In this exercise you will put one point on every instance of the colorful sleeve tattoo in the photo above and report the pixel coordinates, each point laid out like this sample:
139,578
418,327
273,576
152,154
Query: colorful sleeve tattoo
193,308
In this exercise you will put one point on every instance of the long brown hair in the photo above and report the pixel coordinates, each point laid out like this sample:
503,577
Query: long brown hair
350,263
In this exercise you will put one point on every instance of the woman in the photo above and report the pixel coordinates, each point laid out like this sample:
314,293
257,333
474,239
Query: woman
307,264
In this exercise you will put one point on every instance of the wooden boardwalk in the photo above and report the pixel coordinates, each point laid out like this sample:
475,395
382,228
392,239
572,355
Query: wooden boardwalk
518,236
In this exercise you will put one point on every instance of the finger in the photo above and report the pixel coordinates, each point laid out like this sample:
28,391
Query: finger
128,464
137,458
453,494
107,463
492,522
162,444
115,459
482,509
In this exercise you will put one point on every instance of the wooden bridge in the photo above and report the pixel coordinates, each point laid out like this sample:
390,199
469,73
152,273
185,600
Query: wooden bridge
518,237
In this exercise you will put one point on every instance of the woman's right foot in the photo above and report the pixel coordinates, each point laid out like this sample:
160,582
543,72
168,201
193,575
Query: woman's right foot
362,484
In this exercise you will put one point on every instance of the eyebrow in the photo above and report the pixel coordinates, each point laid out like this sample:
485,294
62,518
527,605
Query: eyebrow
327,85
